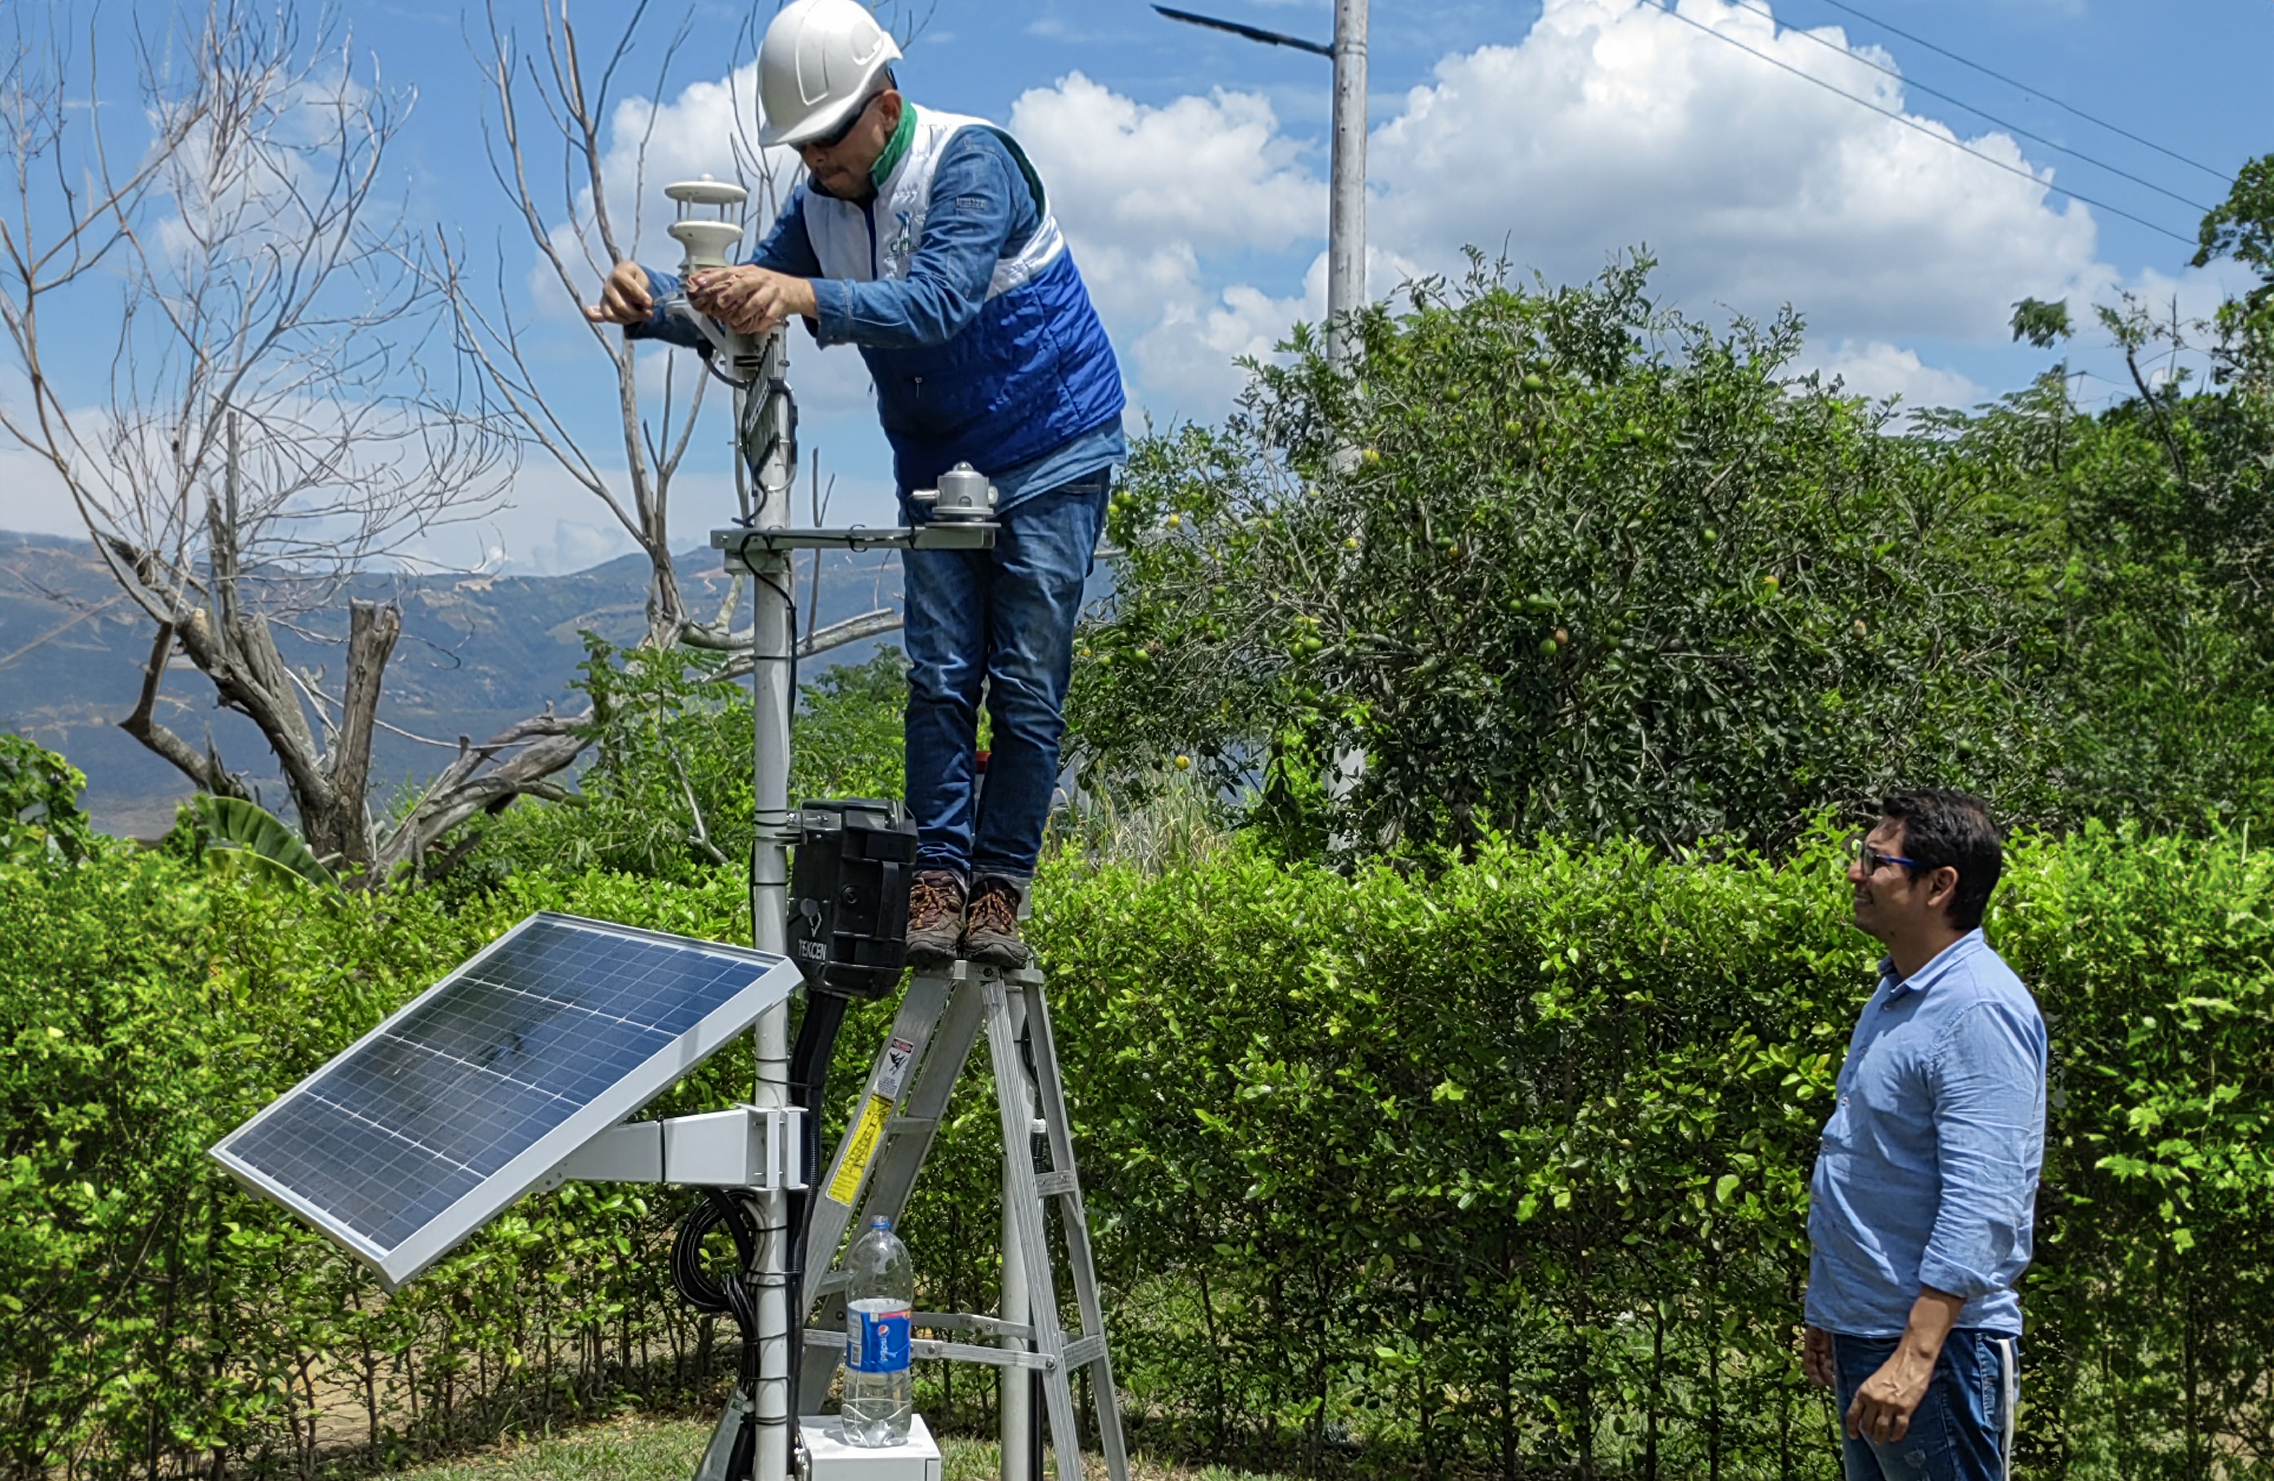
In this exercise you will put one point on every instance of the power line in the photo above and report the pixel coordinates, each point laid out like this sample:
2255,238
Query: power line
1666,7
2015,128
2224,177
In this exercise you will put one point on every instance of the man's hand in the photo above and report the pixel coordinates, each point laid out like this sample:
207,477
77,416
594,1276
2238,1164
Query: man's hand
1816,1358
751,300
1884,1405
624,298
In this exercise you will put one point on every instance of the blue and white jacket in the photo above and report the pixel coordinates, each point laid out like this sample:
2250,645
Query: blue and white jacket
958,288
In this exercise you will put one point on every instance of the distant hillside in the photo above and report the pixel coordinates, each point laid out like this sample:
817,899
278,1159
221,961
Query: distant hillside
477,653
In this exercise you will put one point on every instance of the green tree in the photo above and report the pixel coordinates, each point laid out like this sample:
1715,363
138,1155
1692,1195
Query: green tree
669,792
2242,227
1594,569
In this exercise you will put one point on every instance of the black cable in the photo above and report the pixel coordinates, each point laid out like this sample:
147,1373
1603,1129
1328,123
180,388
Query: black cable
731,1295
1666,7
2222,176
2015,128
809,1084
789,602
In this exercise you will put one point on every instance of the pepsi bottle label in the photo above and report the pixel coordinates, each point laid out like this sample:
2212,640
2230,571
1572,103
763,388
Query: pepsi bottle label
877,1341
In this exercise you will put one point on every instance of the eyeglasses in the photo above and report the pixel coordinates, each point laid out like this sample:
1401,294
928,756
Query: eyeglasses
1873,860
844,130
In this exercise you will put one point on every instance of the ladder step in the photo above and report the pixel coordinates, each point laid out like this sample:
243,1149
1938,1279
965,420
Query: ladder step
1056,1184
1083,1351
963,1321
928,1349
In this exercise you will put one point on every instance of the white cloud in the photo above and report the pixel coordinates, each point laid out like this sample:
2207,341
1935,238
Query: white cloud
1610,124
33,499
1143,195
1212,172
1613,123
1878,369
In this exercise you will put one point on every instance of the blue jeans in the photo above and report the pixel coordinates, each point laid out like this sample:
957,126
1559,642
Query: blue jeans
1003,617
1962,1430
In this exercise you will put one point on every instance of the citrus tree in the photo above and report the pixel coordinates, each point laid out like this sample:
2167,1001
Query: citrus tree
1560,560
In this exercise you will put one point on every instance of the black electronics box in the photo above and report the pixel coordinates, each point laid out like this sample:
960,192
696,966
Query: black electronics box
848,926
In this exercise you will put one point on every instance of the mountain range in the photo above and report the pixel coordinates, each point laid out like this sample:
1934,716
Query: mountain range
477,653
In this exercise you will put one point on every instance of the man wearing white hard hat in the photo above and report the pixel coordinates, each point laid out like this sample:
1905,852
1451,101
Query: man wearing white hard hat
926,239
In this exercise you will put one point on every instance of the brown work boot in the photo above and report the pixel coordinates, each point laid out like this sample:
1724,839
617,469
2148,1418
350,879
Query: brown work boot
991,928
935,918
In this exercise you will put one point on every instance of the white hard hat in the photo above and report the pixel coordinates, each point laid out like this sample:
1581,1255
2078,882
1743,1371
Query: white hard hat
819,63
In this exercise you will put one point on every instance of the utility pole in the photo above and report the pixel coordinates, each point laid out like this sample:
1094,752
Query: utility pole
1346,206
1346,209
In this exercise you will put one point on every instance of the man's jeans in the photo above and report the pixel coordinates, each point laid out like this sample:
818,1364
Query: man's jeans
1963,1430
1006,617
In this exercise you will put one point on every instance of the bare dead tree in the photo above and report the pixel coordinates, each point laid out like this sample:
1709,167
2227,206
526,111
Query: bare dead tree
272,422
574,161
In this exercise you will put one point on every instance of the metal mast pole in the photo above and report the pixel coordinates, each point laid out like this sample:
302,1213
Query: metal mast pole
1346,213
768,438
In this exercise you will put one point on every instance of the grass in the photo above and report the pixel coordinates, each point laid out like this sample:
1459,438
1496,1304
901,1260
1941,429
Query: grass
636,1449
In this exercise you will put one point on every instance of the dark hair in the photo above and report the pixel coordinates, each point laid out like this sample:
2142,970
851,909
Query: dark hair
1951,830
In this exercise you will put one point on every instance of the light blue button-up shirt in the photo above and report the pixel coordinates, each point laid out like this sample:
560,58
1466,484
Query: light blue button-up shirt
1928,1171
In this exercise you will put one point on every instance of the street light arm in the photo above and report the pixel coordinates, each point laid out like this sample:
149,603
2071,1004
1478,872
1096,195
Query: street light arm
1252,33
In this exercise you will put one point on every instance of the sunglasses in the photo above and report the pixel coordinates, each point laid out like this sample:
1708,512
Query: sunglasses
843,131
1872,859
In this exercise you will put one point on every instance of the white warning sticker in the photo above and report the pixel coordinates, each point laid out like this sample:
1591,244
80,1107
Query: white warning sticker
898,1055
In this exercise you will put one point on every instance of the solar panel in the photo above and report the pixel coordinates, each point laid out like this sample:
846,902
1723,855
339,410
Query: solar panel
458,1104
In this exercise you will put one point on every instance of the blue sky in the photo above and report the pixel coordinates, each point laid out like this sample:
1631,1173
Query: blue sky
1188,169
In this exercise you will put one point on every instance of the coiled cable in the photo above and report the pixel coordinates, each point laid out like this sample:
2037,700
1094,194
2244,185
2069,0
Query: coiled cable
732,1294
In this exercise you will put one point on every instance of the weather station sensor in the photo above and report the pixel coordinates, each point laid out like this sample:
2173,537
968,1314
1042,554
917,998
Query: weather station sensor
706,242
963,497
531,1064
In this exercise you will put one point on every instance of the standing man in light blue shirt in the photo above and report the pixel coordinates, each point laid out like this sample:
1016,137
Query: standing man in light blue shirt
1921,1208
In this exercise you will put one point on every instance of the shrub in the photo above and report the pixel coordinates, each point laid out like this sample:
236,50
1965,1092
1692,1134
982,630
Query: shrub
1498,1171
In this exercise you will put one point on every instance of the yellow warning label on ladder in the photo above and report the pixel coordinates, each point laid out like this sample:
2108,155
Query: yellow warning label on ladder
868,1134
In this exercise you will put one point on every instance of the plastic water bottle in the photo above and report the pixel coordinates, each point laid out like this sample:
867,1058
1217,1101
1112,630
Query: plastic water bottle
880,1392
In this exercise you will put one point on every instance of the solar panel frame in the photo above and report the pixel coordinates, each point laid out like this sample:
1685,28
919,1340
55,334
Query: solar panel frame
536,1165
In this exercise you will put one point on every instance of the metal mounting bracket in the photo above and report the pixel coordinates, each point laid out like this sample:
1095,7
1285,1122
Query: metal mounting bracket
745,1147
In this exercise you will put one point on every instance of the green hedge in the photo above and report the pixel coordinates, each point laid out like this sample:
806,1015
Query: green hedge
1501,1171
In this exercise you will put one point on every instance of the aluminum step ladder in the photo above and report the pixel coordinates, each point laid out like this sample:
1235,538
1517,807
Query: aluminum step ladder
874,1171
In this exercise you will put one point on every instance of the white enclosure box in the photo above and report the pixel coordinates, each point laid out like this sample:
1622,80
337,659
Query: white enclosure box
835,1458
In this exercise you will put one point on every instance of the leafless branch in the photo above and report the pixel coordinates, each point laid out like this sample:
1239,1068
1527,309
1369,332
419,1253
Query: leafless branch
279,410
576,175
